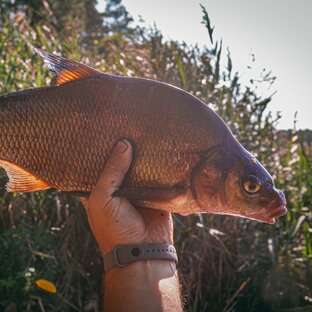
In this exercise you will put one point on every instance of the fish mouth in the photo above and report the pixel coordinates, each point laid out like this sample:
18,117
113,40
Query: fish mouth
276,208
275,213
270,215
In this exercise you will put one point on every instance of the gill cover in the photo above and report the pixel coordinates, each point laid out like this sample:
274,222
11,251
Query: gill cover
208,176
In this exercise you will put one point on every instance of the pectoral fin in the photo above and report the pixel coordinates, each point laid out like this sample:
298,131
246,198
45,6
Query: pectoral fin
77,193
21,180
152,193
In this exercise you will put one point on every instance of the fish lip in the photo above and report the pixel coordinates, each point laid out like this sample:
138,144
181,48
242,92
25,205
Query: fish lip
278,212
276,208
272,214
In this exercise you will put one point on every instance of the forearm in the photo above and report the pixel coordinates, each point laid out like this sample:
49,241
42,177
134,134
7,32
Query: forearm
143,286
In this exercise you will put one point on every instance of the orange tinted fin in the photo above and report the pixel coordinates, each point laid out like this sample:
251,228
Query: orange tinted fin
20,180
152,193
66,70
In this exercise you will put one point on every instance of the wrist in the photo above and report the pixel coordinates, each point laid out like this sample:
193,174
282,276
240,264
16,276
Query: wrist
151,285
146,269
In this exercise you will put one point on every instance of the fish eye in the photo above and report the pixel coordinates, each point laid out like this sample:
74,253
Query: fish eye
251,184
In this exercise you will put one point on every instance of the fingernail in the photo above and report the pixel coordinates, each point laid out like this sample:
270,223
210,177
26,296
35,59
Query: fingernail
122,146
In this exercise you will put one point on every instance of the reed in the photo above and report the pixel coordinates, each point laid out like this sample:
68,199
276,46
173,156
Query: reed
226,264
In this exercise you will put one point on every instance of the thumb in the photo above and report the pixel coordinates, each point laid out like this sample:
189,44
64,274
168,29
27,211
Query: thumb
113,173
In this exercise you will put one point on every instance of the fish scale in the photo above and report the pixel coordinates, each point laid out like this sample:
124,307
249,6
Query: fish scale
160,169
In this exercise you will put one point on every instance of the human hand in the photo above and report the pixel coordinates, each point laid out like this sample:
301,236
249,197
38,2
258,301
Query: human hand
114,220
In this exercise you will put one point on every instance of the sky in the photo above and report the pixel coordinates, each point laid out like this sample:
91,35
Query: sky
277,32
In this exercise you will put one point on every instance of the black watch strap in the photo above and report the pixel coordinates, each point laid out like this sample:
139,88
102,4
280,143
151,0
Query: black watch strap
121,256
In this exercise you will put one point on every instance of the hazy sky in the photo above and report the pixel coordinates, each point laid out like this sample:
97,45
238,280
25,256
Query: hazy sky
278,32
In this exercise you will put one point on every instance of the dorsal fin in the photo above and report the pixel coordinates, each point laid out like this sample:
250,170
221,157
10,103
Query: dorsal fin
65,69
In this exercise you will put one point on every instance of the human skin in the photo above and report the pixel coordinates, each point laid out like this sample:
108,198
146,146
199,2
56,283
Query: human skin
144,285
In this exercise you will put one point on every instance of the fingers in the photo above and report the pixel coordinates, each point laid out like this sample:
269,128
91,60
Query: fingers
112,175
116,168
85,202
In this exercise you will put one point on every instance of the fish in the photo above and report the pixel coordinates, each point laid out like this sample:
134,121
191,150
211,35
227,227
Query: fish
186,160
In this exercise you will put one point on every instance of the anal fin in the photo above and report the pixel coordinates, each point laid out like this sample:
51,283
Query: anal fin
21,180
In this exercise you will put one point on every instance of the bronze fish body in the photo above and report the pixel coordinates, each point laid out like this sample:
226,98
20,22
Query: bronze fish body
186,159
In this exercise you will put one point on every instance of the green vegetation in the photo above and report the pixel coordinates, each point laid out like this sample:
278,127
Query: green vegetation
226,263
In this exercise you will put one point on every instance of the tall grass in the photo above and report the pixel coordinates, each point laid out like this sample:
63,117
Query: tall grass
226,264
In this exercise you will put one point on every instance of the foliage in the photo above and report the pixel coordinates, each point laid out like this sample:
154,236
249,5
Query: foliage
117,17
226,264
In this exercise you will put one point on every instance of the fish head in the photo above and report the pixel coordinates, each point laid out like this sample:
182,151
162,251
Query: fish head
236,183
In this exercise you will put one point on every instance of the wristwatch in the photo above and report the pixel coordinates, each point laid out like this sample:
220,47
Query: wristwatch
122,255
